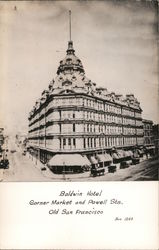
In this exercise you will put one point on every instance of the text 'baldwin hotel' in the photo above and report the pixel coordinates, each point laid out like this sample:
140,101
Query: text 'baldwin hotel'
75,116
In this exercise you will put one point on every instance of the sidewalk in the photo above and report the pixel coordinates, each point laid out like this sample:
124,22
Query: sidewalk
121,174
57,177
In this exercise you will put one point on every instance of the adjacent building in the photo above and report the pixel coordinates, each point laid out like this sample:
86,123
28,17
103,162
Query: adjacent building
74,115
148,132
156,137
1,136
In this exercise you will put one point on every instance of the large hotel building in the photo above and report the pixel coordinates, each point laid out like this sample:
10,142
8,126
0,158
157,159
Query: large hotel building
74,116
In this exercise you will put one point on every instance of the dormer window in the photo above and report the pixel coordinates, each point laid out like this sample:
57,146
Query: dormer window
68,60
67,83
60,78
78,61
73,78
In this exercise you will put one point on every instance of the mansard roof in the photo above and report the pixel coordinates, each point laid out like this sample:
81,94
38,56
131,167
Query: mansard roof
71,78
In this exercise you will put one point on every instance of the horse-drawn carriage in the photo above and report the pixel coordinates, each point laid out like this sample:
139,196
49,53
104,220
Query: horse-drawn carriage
97,171
4,163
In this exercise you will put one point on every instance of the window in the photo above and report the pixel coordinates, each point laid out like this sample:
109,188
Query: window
105,107
69,115
101,129
73,127
64,141
84,143
91,128
88,141
63,101
95,142
69,141
85,102
91,142
87,127
74,141
84,127
73,115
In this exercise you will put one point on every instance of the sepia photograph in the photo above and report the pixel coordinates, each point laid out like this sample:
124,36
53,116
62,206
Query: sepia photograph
79,124
79,91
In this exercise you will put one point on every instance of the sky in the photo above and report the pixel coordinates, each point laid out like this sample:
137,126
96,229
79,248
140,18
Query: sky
117,42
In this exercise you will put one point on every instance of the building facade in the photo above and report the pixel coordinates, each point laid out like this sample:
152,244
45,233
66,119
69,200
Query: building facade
148,132
75,116
156,137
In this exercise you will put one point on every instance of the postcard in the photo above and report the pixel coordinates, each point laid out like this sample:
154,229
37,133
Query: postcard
79,124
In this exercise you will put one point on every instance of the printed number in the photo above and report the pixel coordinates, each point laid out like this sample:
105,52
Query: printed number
128,218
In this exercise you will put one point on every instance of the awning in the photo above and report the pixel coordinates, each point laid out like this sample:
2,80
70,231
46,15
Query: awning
104,157
151,147
120,154
68,160
93,160
126,153
100,158
115,156
108,157
130,152
87,162
136,154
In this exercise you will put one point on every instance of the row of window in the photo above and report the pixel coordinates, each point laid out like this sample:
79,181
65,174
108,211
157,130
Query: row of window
127,112
137,115
129,121
148,133
102,142
90,142
140,140
91,103
127,131
65,102
139,123
102,129
69,128
147,126
148,140
139,131
101,117
63,115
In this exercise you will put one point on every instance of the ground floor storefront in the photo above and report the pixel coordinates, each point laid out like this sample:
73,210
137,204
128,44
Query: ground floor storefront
102,161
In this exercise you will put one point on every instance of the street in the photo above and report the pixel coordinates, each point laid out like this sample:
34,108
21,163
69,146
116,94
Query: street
26,168
22,167
147,170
